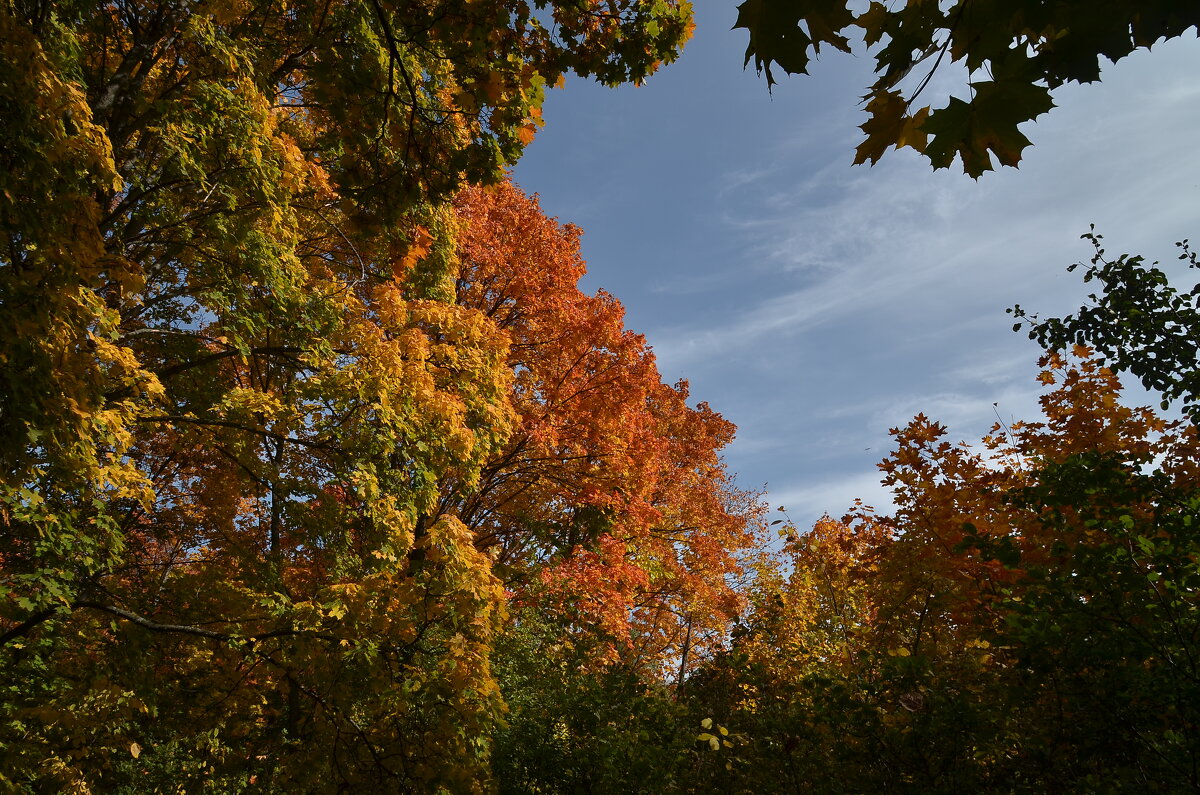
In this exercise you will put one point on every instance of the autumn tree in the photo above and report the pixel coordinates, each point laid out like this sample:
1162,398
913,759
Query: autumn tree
1014,55
785,687
235,385
1026,619
609,498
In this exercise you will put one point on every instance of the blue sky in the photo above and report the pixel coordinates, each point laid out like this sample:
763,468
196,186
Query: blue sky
818,304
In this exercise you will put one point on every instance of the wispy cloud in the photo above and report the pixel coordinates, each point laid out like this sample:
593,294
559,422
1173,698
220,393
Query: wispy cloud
809,501
817,305
897,243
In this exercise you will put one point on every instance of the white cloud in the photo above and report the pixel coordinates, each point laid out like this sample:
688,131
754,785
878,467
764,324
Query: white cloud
809,501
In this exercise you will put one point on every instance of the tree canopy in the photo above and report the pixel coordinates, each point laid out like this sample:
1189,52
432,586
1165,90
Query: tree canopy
1013,54
1027,618
246,423
319,472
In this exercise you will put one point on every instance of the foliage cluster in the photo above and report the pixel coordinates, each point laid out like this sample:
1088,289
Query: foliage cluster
1138,323
292,414
1027,620
320,473
1015,53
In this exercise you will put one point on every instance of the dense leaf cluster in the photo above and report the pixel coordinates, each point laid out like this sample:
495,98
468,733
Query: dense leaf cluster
1015,54
1027,620
260,449
1137,323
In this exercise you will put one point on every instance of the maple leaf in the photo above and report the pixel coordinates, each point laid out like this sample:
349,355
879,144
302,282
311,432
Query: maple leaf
890,125
527,133
420,245
985,126
776,35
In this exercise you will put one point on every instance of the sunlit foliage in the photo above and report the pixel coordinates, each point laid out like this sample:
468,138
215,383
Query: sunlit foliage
237,387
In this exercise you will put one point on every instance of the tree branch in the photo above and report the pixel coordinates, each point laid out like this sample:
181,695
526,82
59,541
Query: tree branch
28,625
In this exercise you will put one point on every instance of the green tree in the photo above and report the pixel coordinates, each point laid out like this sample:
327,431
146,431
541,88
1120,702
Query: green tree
573,728
1015,55
1137,323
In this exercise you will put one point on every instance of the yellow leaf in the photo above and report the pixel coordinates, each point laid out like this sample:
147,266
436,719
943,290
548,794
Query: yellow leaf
135,750
422,242
706,723
911,133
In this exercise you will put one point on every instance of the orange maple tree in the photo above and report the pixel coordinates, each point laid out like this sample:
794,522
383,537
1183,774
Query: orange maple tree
1034,592
610,499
